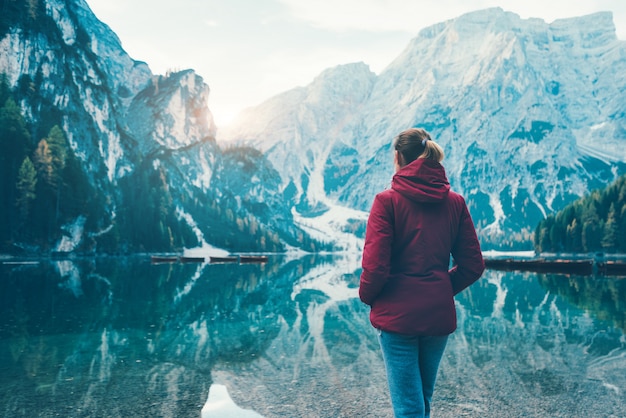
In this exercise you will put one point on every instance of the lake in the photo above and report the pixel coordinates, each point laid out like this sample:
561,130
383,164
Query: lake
121,337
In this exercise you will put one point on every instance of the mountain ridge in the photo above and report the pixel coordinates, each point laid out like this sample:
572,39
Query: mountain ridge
512,101
530,115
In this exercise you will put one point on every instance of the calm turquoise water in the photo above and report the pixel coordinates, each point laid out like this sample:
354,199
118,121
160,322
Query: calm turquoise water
123,337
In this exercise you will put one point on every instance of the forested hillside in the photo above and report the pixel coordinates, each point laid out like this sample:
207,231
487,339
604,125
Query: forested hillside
41,182
596,222
46,194
100,155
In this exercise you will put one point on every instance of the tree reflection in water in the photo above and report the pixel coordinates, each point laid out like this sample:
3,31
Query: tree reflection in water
601,296
122,337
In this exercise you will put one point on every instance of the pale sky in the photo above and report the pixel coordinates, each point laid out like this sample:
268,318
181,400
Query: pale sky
250,50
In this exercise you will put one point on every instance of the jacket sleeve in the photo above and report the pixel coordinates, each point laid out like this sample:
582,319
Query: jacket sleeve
468,258
376,251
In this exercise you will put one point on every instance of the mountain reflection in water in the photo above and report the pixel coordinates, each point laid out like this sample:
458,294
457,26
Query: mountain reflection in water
120,337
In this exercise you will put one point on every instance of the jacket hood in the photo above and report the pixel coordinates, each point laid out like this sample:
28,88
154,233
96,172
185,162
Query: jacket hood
422,180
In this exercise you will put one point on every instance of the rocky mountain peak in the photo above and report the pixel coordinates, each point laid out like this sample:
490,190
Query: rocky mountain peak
516,104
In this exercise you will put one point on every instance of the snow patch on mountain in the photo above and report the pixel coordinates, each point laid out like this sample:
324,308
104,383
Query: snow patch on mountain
73,235
334,225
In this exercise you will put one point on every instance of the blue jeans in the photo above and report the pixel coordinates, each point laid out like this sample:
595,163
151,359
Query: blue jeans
411,362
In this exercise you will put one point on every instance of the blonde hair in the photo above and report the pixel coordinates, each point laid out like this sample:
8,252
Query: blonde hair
415,143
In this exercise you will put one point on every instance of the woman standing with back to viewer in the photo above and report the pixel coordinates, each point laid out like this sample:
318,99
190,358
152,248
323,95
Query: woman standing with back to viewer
412,230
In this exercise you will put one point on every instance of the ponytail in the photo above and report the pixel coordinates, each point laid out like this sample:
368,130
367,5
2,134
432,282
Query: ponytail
432,151
416,143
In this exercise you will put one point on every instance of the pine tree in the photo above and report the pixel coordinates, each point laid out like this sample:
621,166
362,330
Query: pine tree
14,134
14,139
542,235
622,229
43,162
50,159
555,237
574,238
58,153
611,230
26,183
591,232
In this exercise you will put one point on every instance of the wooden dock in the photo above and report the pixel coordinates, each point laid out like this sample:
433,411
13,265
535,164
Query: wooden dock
253,259
158,259
240,259
184,259
584,267
612,268
228,259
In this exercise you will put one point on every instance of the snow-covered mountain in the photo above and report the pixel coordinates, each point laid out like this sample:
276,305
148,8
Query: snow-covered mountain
145,142
531,116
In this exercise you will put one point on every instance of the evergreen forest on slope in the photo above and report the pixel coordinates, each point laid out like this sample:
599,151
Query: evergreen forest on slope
593,223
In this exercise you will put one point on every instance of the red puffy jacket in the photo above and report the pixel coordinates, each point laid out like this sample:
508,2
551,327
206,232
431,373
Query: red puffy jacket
412,230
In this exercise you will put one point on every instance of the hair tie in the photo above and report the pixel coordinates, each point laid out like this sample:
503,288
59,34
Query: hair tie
424,142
